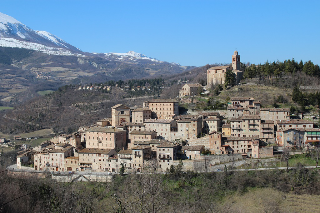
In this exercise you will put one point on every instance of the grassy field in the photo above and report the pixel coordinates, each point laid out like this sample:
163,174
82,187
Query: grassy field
45,92
296,159
38,133
33,142
264,94
270,200
5,107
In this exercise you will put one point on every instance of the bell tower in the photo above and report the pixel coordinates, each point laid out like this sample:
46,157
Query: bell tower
236,61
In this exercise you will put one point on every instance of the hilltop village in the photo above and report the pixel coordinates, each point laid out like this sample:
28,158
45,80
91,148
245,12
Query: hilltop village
155,137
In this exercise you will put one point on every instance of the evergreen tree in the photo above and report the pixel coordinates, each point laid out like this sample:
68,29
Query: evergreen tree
230,78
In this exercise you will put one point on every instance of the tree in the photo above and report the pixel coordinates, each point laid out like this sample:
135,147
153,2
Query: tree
286,156
122,169
230,78
315,155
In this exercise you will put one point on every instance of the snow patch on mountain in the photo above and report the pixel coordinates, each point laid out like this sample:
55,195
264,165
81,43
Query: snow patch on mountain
131,55
11,42
15,34
8,19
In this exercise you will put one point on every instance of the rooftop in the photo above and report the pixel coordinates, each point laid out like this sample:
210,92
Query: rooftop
163,101
157,121
218,67
294,121
125,152
94,151
242,99
103,129
136,132
193,148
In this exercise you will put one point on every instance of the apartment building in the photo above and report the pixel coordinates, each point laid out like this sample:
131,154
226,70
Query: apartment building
72,163
125,159
298,137
95,159
163,127
106,138
140,136
275,114
193,152
57,157
294,124
188,127
134,126
141,114
212,125
140,154
163,108
226,130
267,129
166,153
241,145
290,137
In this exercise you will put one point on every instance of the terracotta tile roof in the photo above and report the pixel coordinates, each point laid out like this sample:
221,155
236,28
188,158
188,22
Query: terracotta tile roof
163,145
120,106
294,121
163,101
267,122
242,138
157,121
218,67
125,152
193,148
136,132
242,99
103,129
250,117
94,151
141,109
275,109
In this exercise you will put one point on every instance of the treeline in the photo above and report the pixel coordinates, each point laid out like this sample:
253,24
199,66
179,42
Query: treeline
305,99
172,192
278,69
8,55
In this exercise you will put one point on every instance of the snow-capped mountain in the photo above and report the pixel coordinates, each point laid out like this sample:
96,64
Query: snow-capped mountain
131,55
15,34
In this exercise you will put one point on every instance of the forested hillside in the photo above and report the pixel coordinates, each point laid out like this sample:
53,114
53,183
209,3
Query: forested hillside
226,191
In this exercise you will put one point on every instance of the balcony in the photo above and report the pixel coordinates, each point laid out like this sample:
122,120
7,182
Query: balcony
165,157
236,127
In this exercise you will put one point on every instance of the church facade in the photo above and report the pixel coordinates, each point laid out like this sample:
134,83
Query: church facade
216,75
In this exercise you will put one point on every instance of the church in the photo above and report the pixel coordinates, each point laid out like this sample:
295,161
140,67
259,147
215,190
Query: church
216,75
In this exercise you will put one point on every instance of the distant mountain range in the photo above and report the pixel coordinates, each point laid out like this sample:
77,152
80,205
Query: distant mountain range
31,61
13,33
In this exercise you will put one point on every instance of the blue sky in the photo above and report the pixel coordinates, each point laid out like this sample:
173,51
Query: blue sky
189,32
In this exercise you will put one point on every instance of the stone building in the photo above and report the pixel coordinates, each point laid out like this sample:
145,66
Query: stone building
190,90
120,114
216,75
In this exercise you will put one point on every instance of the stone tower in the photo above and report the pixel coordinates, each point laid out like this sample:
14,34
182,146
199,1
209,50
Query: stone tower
236,61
